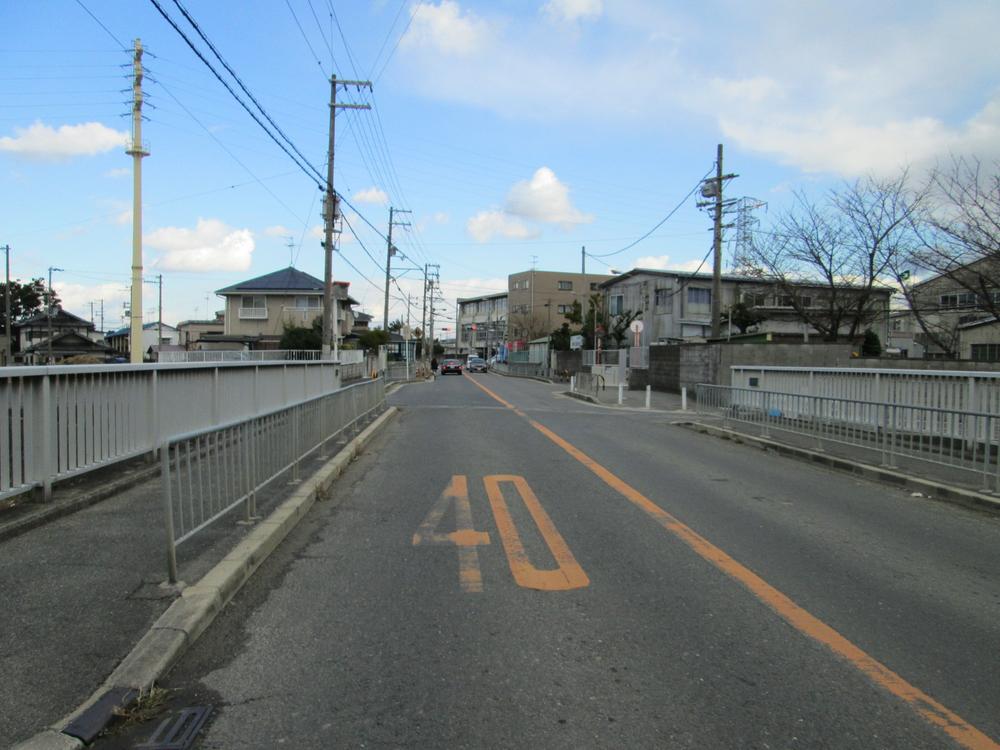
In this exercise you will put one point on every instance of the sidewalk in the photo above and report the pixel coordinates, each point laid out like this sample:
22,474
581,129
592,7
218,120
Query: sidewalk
81,589
658,400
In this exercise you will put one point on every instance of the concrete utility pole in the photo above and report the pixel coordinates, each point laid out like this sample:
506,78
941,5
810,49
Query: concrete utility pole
8,316
137,150
390,250
48,309
583,260
330,313
423,320
713,188
431,284
159,332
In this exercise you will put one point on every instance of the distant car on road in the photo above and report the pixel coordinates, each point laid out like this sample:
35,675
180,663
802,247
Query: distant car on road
477,364
451,365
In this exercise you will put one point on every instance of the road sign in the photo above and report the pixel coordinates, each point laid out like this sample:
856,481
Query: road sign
636,326
576,342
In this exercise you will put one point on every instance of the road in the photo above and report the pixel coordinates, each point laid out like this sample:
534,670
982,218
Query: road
506,567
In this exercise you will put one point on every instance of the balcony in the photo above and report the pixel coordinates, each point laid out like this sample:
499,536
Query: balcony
253,313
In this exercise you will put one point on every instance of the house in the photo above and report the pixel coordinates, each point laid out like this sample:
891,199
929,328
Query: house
190,332
258,311
538,302
42,337
956,312
482,323
676,306
153,334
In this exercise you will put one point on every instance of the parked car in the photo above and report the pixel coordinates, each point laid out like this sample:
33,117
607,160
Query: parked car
477,364
451,365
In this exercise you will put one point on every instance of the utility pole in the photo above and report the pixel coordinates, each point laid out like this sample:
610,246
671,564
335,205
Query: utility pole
137,150
48,308
583,261
423,320
8,317
712,188
431,284
330,213
390,250
159,333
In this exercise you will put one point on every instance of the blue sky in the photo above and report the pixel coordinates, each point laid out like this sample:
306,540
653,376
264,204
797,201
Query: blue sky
515,131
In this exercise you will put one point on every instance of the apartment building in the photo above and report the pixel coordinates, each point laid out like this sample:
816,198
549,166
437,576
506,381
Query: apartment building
481,325
539,301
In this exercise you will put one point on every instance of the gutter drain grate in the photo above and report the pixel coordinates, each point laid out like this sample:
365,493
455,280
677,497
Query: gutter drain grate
178,732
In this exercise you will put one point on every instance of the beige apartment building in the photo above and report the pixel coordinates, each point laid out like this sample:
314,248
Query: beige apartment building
539,301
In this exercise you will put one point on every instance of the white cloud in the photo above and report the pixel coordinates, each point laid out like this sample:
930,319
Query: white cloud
663,263
279,230
45,143
210,246
117,173
441,217
544,198
486,225
570,11
444,29
77,298
371,195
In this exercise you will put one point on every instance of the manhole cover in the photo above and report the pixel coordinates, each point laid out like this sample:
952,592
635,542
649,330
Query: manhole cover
177,732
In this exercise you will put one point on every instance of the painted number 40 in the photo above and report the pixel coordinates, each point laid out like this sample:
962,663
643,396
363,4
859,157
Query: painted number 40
567,575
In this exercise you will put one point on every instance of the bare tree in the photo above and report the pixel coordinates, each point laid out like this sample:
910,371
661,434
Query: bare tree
963,241
845,246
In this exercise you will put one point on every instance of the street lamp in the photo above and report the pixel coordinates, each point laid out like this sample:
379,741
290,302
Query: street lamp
48,307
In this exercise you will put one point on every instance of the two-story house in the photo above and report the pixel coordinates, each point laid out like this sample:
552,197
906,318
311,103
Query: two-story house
62,334
258,311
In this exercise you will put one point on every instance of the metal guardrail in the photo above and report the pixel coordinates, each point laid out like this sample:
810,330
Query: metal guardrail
63,421
208,473
968,390
263,355
964,440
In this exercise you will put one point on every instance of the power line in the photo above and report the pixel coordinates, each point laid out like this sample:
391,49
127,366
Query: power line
659,224
239,82
98,20
306,38
237,98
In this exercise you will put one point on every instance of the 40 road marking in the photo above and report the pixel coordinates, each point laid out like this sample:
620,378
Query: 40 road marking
568,573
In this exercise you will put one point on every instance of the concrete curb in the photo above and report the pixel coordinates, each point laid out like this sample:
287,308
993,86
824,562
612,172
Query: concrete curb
189,615
931,489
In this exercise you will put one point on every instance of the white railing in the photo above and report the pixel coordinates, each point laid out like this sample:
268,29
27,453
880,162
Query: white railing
942,389
59,422
253,313
210,472
955,438
261,355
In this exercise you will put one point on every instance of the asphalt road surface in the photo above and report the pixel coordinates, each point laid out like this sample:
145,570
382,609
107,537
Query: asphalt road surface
509,568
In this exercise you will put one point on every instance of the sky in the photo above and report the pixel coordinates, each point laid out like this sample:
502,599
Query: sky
515,132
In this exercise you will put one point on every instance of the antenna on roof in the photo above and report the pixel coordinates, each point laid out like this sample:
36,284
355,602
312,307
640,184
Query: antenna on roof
291,250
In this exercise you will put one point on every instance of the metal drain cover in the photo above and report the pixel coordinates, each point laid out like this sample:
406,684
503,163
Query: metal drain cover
177,732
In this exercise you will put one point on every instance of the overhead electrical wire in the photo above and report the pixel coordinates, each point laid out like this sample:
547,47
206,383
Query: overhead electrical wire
659,224
304,167
240,83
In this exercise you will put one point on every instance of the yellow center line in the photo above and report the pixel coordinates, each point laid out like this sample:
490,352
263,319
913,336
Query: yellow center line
937,714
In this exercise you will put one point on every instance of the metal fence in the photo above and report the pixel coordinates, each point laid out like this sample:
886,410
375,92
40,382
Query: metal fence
942,389
208,473
264,355
59,422
965,440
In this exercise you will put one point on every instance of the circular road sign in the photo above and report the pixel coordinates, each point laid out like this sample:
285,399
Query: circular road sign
636,326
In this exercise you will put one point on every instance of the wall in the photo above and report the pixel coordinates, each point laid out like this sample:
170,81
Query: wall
672,367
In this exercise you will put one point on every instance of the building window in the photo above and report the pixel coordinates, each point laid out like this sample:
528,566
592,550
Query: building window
253,308
661,297
750,299
593,286
254,302
986,352
564,309
616,304
699,296
959,299
303,302
565,286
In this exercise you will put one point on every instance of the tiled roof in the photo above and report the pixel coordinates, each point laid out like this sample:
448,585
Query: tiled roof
287,279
